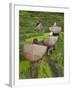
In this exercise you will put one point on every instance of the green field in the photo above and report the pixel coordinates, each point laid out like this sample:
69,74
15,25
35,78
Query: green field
50,65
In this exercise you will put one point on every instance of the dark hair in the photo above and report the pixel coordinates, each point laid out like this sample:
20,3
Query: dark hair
35,41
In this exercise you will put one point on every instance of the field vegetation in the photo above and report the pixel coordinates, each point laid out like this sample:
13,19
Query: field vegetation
50,65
